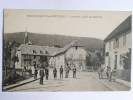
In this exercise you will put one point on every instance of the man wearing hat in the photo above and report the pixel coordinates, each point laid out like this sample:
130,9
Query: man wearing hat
61,72
41,75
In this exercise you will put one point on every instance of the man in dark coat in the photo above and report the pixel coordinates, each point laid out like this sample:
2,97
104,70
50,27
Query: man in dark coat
41,75
67,71
55,73
61,72
74,72
35,73
47,72
107,72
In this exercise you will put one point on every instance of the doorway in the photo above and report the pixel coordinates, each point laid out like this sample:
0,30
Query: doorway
115,63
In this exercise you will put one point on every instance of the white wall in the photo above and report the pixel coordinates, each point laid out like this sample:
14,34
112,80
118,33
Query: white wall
76,53
52,61
118,51
60,61
18,64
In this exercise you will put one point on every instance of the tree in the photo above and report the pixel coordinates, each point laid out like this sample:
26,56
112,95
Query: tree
100,56
15,59
44,61
7,47
88,60
127,60
6,56
96,63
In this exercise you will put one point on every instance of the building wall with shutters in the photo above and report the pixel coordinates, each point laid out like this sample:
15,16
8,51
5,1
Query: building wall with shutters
117,49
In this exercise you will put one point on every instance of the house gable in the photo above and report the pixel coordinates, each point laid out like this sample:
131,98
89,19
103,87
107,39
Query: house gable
74,43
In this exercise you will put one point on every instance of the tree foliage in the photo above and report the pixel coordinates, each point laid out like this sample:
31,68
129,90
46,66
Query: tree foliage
100,56
15,59
88,60
127,60
44,61
7,47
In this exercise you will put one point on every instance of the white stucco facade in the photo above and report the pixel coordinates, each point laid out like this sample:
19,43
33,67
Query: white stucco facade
76,54
113,56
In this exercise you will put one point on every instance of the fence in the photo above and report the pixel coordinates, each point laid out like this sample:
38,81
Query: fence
124,74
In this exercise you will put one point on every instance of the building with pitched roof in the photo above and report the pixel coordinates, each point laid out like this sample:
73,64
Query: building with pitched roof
71,54
29,54
117,43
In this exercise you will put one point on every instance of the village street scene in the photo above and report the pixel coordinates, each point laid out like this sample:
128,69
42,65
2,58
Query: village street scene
34,62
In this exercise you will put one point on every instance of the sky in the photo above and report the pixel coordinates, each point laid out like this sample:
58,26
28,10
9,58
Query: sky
96,24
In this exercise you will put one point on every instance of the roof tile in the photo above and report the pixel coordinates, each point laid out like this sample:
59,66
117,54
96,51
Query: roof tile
125,25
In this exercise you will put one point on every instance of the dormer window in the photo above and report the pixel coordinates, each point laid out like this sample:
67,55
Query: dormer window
46,52
41,52
34,51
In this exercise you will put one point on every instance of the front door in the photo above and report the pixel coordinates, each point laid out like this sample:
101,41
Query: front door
115,62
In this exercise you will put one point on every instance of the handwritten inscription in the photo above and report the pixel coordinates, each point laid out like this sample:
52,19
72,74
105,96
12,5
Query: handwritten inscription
65,16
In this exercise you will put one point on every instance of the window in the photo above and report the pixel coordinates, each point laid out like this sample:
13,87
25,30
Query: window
34,57
58,57
41,52
76,47
109,45
80,56
124,40
107,53
71,55
109,58
24,62
30,63
121,59
34,51
46,52
116,43
24,56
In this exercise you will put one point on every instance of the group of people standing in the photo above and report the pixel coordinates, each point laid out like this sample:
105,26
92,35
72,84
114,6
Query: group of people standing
44,72
101,71
66,72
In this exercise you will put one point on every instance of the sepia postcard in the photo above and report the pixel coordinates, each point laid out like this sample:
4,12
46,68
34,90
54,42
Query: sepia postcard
66,50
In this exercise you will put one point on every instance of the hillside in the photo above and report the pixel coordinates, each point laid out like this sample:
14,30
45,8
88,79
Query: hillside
91,44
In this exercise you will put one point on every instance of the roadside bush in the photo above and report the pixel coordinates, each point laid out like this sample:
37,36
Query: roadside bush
12,78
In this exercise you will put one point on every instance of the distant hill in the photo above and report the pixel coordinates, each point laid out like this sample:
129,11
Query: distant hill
91,44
